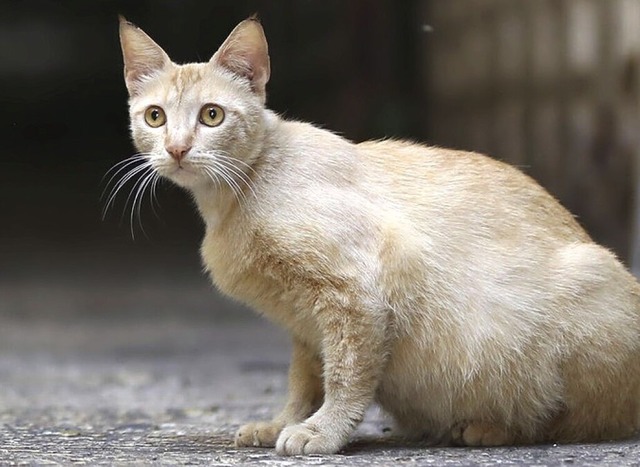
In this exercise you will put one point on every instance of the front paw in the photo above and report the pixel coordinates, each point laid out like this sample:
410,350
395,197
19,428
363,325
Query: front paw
306,438
258,434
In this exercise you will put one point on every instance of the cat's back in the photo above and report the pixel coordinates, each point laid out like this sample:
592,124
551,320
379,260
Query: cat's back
466,193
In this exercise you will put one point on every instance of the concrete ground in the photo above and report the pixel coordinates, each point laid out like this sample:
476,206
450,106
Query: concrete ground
99,373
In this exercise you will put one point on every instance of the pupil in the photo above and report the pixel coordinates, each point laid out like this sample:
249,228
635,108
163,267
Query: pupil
155,114
212,113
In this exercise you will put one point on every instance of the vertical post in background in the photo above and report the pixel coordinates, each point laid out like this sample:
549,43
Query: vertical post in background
635,239
527,83
562,101
630,54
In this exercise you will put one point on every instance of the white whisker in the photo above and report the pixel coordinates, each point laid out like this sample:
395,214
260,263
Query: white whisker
233,170
136,206
218,166
226,155
232,180
121,183
154,197
215,174
120,166
228,180
139,169
226,163
145,173
213,177
135,157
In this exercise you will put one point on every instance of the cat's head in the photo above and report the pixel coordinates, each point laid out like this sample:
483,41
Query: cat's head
198,123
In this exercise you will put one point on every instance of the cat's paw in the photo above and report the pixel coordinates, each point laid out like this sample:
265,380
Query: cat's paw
306,438
258,434
479,434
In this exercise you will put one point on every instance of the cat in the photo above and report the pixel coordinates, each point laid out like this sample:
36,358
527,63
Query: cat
446,286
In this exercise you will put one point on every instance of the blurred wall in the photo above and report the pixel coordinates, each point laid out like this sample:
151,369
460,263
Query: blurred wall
551,86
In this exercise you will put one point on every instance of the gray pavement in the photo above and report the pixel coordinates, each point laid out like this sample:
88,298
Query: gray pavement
88,378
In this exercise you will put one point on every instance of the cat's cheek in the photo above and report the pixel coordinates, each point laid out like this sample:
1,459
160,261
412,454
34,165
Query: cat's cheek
144,143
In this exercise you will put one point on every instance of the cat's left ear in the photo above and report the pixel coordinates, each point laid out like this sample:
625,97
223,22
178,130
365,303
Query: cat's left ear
246,53
142,56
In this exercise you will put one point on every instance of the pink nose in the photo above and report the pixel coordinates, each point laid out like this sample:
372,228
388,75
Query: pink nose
178,151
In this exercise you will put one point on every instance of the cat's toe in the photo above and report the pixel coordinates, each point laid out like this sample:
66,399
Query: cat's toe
479,434
306,439
258,434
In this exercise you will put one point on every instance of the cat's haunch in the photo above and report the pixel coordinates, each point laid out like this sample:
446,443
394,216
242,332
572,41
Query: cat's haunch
446,286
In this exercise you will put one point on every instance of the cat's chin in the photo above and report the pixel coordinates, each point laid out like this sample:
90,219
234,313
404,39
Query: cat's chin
185,178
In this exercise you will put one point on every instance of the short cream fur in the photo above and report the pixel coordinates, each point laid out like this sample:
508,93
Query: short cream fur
448,287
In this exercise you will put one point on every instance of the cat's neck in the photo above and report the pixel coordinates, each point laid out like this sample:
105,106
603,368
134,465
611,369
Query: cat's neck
218,201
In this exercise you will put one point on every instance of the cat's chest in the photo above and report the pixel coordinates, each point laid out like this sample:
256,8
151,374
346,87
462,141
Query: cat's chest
236,269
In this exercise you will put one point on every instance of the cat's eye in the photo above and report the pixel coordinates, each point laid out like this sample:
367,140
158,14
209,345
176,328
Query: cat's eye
155,116
211,115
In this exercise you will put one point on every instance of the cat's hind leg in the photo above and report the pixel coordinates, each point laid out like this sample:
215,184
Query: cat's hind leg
478,433
601,370
305,396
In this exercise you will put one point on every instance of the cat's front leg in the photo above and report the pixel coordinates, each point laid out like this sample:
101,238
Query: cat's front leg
354,354
305,396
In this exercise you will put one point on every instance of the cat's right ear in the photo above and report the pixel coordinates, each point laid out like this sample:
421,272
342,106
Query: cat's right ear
142,56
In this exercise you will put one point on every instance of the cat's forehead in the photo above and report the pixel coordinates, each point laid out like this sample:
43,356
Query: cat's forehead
189,75
192,85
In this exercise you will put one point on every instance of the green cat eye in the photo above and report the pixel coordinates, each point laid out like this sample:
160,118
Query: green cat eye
155,116
211,115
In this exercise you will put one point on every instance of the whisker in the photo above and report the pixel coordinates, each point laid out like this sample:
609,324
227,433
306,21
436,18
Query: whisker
136,205
220,177
216,180
239,174
154,197
228,156
121,183
225,161
123,165
224,171
135,157
219,166
211,177
228,180
137,184
229,162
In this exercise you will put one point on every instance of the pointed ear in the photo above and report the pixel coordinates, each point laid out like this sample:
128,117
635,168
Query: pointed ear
142,57
245,53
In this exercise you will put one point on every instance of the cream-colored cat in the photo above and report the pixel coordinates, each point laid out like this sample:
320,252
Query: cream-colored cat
446,286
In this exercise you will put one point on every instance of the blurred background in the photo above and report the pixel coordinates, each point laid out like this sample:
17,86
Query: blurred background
551,86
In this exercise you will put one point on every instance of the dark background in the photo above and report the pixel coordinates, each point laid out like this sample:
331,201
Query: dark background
64,101
361,68
347,65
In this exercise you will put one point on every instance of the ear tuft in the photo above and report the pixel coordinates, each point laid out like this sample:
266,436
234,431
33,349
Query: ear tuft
246,53
142,56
